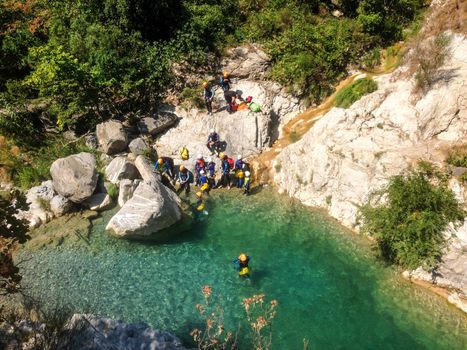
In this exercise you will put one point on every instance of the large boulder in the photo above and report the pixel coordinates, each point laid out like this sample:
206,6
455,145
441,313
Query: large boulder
152,208
112,137
157,125
75,177
127,188
138,146
120,168
96,333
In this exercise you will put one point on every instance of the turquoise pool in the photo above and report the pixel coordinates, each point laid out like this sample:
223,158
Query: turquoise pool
331,290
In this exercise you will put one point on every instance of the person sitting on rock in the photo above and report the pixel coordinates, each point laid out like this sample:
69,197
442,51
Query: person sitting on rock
165,167
184,179
213,141
208,97
225,81
199,165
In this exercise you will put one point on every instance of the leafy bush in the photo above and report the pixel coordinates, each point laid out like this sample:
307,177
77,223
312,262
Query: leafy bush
429,56
458,156
354,91
408,225
33,166
192,97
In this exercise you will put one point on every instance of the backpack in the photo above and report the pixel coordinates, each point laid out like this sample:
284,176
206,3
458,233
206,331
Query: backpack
184,153
254,107
231,163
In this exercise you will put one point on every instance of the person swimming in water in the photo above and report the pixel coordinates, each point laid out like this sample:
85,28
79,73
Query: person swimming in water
242,265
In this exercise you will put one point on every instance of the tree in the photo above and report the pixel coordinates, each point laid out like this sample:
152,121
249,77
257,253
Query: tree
13,231
409,225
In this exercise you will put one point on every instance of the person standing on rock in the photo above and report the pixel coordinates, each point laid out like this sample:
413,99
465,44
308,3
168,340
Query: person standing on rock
211,169
184,179
225,166
165,167
199,166
246,183
208,97
225,81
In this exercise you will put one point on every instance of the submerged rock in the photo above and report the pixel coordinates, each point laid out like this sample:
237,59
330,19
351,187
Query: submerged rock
121,168
75,177
112,137
152,208
96,333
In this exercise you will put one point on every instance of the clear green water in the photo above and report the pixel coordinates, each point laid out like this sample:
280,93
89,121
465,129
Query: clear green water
330,288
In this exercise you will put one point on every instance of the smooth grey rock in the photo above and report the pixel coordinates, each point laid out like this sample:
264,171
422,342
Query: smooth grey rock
127,188
458,171
97,333
138,146
75,177
91,141
111,137
60,205
98,202
154,126
152,208
146,169
120,168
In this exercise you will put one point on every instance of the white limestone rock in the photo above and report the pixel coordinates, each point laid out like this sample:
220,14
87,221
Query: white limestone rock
121,168
98,202
127,188
152,208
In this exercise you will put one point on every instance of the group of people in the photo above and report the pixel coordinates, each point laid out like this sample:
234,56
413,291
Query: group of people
231,97
232,173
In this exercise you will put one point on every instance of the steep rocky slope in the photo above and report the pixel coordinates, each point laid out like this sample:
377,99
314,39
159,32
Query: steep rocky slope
351,152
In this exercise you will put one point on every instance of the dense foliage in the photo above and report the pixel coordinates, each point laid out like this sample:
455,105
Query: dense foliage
354,91
12,232
409,224
74,63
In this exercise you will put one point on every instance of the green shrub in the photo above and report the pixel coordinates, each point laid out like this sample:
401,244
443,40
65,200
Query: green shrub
192,98
429,56
33,166
371,59
112,191
458,157
408,225
354,91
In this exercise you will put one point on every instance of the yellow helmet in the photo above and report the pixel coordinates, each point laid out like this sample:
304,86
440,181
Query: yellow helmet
221,155
205,84
226,74
242,257
198,194
160,161
182,167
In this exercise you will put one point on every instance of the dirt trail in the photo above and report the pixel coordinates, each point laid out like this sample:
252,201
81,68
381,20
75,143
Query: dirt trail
299,125
292,132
